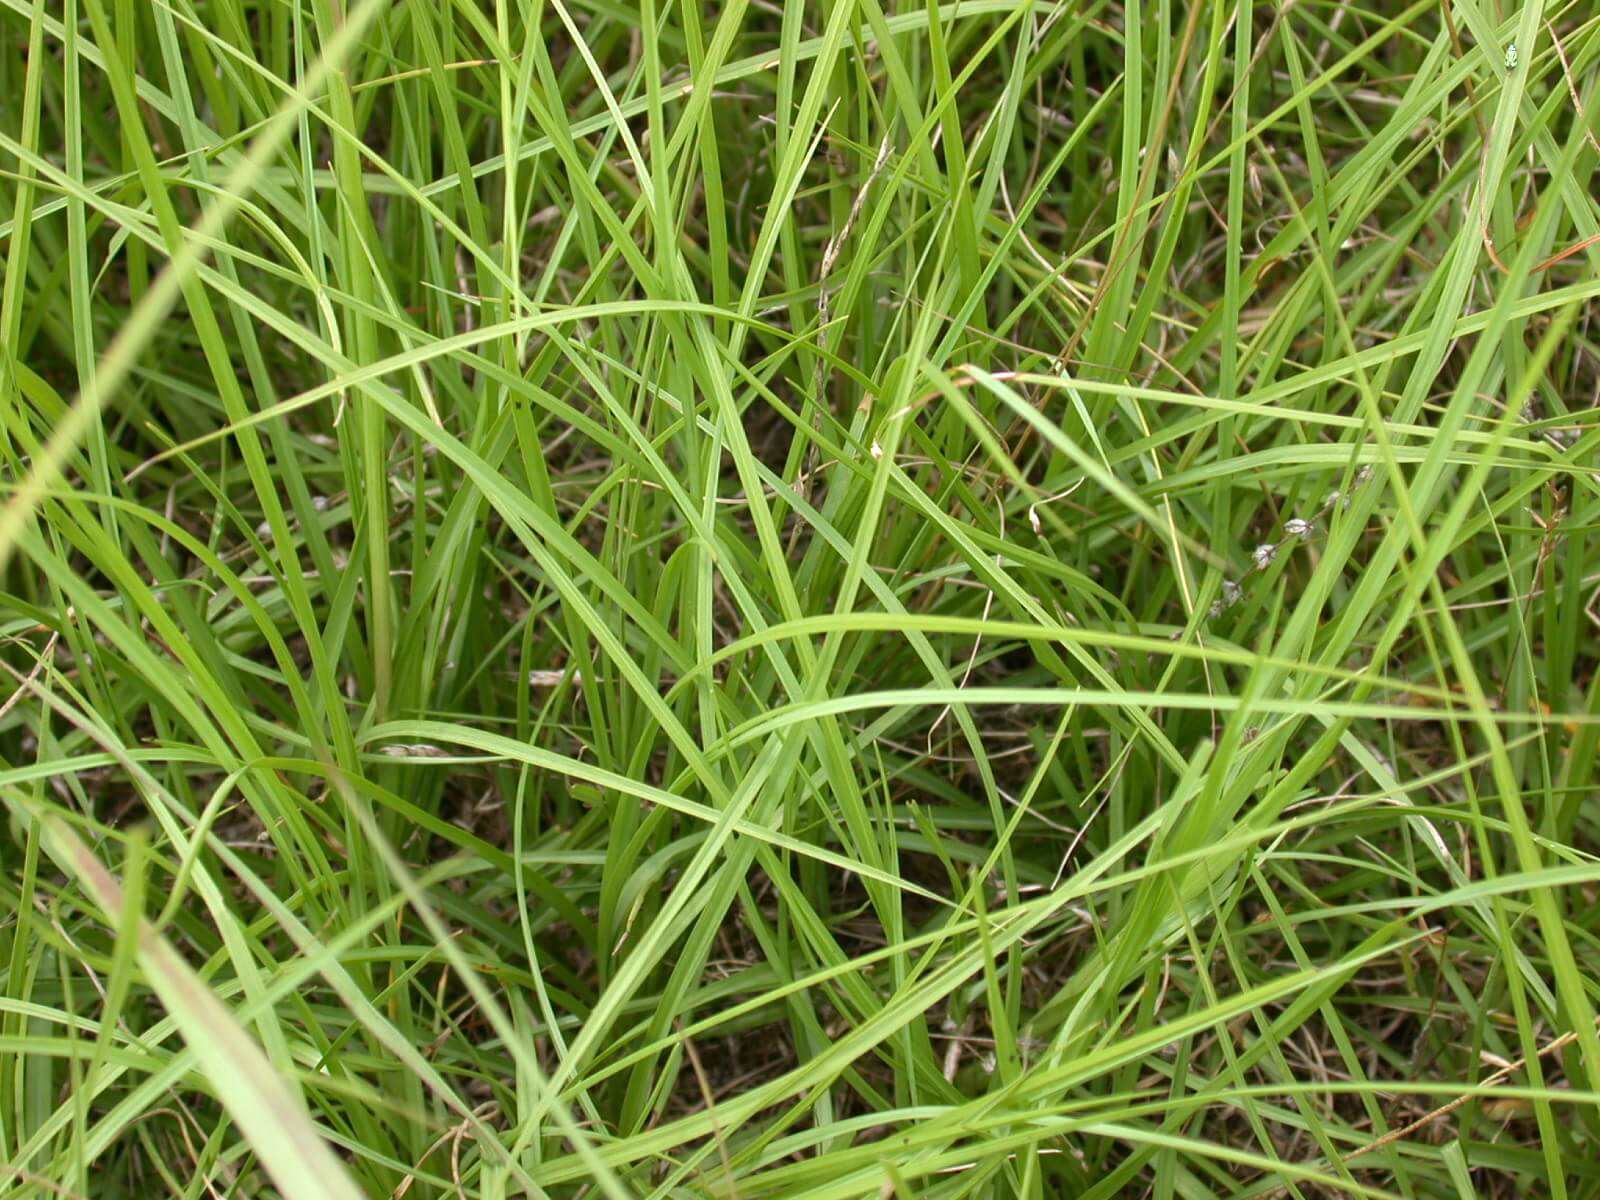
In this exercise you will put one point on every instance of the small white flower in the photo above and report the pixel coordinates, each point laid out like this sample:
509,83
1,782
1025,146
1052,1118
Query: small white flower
550,678
877,450
1511,56
1033,519
1264,554
1232,593
1295,527
413,750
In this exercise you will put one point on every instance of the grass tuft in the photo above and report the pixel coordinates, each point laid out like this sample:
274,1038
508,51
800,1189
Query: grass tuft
836,600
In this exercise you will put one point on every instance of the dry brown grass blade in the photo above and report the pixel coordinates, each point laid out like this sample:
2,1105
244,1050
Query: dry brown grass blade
1444,1110
271,1116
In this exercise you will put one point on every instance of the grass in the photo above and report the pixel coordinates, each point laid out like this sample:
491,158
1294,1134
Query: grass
834,600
